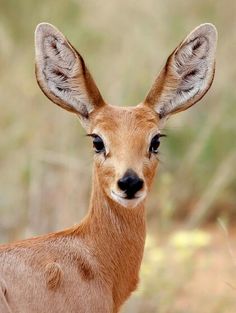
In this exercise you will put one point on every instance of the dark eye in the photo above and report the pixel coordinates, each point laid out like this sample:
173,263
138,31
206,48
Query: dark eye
155,143
98,144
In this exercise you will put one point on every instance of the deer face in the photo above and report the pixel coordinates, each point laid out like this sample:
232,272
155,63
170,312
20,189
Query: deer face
125,140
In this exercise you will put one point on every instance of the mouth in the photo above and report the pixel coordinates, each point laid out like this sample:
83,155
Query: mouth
127,201
127,197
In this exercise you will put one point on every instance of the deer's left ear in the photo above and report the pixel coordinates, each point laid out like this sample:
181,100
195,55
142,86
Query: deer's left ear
187,75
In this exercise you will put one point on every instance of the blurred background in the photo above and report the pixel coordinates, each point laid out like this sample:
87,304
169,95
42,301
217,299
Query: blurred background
46,160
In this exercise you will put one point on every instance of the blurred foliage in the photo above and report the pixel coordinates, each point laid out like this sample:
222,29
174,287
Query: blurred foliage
179,274
45,159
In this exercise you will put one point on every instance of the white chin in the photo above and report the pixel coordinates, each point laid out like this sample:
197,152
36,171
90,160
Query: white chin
127,203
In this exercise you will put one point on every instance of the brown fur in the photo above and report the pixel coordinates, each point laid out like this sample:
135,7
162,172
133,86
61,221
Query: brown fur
53,275
93,267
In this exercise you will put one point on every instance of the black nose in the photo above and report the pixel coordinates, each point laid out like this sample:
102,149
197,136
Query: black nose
130,183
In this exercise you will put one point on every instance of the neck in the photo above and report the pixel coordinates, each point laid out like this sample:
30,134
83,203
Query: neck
119,235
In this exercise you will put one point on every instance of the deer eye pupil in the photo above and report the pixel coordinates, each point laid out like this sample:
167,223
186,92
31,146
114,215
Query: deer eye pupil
155,143
98,144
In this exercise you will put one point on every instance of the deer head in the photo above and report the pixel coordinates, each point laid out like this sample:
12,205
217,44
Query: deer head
125,139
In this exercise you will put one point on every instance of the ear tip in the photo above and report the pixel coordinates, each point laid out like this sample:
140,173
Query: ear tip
208,29
44,28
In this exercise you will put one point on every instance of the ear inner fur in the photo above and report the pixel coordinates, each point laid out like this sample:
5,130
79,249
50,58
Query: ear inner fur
62,75
187,75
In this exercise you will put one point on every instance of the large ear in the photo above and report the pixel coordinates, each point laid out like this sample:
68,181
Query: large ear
62,75
187,75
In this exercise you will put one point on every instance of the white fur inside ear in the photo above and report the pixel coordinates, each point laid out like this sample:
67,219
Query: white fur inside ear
60,70
190,70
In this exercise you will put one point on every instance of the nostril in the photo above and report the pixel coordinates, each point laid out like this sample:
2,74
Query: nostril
139,184
123,183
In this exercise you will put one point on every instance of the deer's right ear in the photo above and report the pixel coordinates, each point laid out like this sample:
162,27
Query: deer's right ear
62,75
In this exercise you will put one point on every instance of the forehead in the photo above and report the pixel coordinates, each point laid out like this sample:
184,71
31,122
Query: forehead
111,119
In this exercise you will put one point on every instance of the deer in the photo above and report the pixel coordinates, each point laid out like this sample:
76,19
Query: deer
93,267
